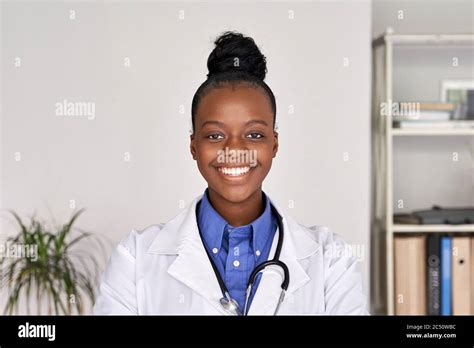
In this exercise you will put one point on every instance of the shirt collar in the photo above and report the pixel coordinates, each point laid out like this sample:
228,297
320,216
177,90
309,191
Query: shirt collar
263,226
212,224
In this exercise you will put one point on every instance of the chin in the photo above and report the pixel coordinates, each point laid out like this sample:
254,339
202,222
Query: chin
236,194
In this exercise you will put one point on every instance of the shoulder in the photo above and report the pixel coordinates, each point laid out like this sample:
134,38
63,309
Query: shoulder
139,239
332,246
320,233
324,236
163,238
314,240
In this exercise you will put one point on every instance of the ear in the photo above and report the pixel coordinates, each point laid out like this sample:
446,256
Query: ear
275,145
192,145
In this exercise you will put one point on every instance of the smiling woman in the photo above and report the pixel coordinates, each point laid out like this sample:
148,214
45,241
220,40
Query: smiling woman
232,250
245,123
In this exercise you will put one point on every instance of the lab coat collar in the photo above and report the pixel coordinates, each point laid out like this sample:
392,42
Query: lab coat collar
180,236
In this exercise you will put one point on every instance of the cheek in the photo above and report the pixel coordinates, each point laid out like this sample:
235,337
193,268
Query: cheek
205,156
264,156
205,153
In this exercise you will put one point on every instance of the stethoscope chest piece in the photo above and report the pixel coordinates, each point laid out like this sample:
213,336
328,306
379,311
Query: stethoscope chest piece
230,305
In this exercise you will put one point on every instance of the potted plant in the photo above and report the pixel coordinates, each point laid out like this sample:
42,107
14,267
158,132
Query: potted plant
58,273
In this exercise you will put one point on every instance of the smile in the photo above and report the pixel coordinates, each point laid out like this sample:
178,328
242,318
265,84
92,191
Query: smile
234,171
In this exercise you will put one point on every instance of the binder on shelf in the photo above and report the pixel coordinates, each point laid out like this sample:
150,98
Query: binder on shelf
433,274
446,291
461,275
472,275
410,275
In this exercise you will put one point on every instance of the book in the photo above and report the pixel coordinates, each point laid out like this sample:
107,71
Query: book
429,111
461,276
425,115
434,115
437,215
446,295
437,106
452,216
406,218
433,276
410,275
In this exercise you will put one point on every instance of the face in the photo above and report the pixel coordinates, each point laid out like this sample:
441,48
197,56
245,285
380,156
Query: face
234,142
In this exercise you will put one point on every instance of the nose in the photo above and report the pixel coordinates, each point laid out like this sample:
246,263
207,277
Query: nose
235,142
234,150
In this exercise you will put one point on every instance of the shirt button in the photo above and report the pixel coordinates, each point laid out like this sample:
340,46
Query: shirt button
257,253
236,263
215,250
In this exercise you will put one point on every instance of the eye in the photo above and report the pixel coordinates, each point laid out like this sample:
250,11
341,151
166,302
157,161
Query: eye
215,136
255,135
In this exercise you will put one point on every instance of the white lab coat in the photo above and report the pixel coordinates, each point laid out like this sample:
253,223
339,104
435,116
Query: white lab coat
164,269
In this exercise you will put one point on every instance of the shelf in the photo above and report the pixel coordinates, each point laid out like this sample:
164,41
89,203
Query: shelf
424,39
432,131
449,39
402,228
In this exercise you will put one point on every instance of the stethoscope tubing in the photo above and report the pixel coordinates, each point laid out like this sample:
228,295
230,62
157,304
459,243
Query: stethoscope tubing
253,276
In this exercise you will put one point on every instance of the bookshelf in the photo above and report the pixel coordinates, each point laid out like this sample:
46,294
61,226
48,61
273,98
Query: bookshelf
383,133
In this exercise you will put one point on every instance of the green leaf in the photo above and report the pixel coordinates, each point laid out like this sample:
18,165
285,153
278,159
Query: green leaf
55,273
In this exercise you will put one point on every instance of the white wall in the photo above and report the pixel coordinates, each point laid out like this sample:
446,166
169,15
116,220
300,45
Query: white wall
423,16
137,109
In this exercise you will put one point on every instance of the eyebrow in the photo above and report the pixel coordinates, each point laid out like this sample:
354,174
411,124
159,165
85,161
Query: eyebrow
219,123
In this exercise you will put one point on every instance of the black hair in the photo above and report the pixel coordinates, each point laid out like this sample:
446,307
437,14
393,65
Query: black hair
235,60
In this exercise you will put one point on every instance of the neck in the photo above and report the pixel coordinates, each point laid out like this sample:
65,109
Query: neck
241,213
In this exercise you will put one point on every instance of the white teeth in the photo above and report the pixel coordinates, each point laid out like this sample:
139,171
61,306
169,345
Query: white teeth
234,171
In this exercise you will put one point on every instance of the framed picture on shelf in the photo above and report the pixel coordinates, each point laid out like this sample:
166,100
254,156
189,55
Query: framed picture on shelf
460,93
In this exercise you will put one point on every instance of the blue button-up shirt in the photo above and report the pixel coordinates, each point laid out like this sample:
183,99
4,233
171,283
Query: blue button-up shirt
236,251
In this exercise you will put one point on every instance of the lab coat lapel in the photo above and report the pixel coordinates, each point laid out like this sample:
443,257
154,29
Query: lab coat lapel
192,266
268,292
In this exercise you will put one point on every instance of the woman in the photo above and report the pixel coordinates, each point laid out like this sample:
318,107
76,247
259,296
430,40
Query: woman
201,261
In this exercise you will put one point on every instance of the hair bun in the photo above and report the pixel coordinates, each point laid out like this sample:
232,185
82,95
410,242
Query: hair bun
235,51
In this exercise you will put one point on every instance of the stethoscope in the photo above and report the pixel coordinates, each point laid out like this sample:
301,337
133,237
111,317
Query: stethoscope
229,304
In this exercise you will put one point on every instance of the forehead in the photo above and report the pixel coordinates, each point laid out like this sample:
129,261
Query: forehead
237,103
